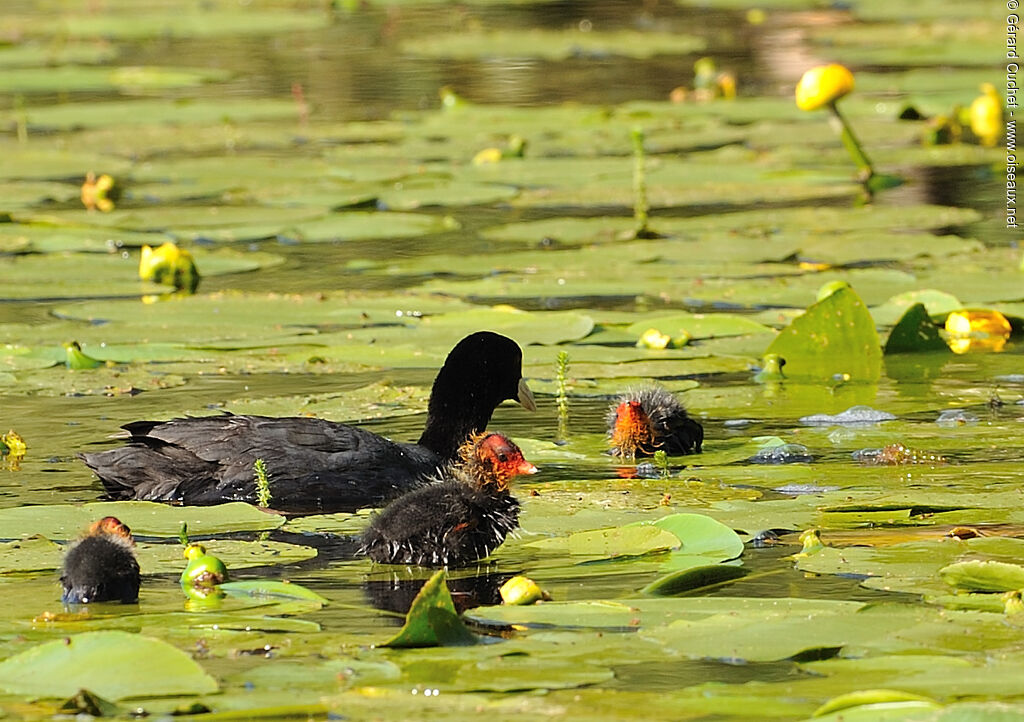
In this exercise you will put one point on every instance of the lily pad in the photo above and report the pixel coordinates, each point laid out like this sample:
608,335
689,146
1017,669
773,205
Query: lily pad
432,619
699,325
611,543
915,331
984,576
551,44
113,664
836,336
145,518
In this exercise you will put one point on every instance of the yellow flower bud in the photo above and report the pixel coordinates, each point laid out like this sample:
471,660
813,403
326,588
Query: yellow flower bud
986,115
653,338
170,265
822,86
522,591
1012,603
14,444
811,539
202,570
100,193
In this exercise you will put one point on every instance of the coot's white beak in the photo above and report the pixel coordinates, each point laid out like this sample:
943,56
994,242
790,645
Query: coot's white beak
525,396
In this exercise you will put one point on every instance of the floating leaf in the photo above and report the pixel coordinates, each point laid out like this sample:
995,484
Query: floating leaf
984,576
835,337
700,325
432,620
682,582
272,588
937,303
112,664
610,543
915,331
145,518
551,44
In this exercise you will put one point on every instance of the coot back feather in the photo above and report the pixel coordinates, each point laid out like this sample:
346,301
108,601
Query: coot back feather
313,465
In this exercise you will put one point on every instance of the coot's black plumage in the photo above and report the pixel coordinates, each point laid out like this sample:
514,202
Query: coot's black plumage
314,465
458,519
101,566
649,420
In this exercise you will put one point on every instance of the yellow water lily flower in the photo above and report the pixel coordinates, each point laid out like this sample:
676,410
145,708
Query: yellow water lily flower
812,544
515,148
653,338
986,115
170,265
99,193
823,86
980,330
14,444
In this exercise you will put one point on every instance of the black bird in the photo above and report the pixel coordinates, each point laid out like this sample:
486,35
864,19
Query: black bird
458,519
313,465
101,566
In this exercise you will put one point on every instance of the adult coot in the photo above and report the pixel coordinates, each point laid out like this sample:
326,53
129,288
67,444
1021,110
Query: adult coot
649,420
458,519
313,465
101,566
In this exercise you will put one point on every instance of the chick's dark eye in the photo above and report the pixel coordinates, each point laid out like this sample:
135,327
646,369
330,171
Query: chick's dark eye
502,457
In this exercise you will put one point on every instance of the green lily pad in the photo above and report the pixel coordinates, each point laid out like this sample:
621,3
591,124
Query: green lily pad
700,325
70,78
270,588
360,226
611,543
47,239
70,116
29,54
685,581
835,336
915,331
145,518
702,536
37,554
551,44
937,303
432,619
113,664
182,22
984,576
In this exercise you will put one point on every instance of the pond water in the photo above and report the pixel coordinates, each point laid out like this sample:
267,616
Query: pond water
309,156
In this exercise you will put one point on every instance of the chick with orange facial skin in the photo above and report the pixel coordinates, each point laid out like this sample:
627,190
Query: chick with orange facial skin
649,420
458,519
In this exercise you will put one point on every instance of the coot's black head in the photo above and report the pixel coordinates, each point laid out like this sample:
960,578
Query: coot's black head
484,369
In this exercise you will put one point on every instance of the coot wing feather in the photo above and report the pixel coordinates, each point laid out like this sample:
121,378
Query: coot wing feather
313,465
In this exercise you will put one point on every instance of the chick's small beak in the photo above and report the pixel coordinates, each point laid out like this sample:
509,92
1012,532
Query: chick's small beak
525,396
525,467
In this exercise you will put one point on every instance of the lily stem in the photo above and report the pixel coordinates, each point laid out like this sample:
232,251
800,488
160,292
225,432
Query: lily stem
867,170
